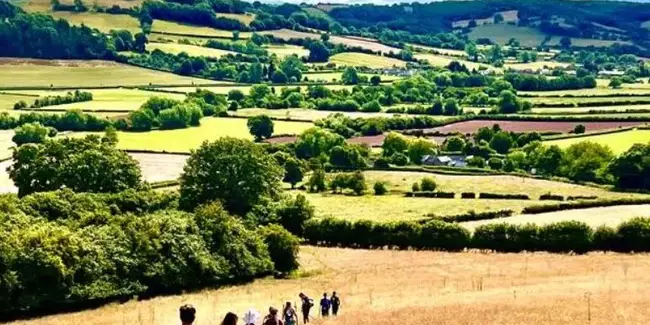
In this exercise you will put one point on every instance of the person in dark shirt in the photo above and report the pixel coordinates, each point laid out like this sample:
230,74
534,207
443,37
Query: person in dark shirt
325,305
188,314
307,303
336,303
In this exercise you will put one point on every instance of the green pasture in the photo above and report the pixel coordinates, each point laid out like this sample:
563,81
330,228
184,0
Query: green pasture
502,33
212,128
366,60
619,142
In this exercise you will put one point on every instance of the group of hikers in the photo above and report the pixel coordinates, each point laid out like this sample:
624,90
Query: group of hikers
288,316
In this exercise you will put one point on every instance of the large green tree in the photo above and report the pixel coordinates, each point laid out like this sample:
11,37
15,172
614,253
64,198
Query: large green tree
81,164
237,172
261,126
632,168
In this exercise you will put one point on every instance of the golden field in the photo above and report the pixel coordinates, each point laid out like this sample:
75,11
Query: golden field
407,287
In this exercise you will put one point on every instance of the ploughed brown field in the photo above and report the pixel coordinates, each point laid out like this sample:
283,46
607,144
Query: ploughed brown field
529,126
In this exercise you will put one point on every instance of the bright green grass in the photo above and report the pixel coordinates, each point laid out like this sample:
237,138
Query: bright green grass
110,99
81,74
366,60
191,50
619,142
103,22
163,26
286,50
212,128
502,33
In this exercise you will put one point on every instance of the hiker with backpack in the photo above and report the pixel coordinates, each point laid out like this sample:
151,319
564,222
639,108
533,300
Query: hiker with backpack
336,303
325,305
289,315
307,303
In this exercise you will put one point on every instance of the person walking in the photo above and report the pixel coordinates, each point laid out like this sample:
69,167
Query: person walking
307,303
230,319
187,314
325,305
336,303
289,315
272,317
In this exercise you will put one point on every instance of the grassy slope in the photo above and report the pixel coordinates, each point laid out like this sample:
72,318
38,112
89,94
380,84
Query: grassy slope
368,60
72,73
103,22
182,140
163,26
619,142
108,99
285,50
191,50
443,61
421,287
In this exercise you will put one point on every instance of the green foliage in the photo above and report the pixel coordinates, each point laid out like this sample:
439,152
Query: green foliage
315,142
283,247
579,129
32,133
632,169
316,181
428,184
380,188
587,161
350,76
454,144
294,213
293,173
501,142
346,156
237,172
419,148
261,127
353,181
476,162
495,163
81,164
394,143
399,159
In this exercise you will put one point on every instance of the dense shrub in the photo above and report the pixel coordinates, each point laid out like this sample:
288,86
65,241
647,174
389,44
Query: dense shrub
501,196
534,209
283,247
551,197
32,133
380,188
467,195
565,236
473,216
431,194
428,184
633,235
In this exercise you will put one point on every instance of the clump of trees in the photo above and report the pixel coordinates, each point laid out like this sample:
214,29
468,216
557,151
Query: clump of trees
261,127
77,96
32,133
400,149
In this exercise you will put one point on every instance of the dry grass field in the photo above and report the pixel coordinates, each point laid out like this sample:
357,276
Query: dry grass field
158,167
443,61
537,65
411,287
285,50
402,181
397,207
610,216
45,5
366,60
163,26
584,42
449,52
244,18
508,16
38,73
191,50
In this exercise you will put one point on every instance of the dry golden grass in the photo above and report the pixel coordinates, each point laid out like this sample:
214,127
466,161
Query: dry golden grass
192,50
368,60
409,287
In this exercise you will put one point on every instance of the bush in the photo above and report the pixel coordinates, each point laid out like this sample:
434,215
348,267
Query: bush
415,187
381,163
534,209
441,195
428,184
605,239
468,195
473,216
551,197
294,213
566,236
399,159
633,235
283,247
316,181
380,188
500,196
495,163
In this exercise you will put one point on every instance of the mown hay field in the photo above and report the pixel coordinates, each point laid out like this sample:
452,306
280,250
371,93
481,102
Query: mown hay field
443,61
158,167
619,142
585,42
502,184
45,5
244,18
337,76
163,26
397,207
502,33
600,91
602,110
422,287
508,16
120,99
285,50
440,50
366,60
595,217
537,65
36,73
191,50
605,101
212,128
